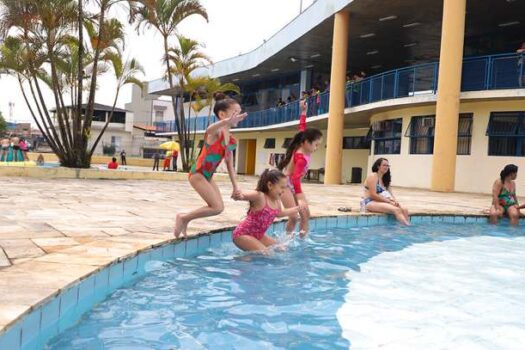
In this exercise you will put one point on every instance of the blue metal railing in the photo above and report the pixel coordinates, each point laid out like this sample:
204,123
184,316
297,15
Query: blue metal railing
502,71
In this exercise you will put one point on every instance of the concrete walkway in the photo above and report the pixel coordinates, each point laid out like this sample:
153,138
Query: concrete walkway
56,231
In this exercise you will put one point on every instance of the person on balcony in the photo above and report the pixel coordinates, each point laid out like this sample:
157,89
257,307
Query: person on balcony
303,107
521,64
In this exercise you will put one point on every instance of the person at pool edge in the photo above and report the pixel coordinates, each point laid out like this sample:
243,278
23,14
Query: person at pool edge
378,196
504,200
219,144
265,206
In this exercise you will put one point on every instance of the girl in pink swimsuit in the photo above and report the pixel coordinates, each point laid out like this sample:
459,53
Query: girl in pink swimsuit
295,166
265,206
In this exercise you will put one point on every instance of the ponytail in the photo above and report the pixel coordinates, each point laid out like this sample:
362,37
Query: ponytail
309,134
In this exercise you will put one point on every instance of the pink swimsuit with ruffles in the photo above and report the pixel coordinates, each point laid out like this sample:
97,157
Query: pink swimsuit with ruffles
256,222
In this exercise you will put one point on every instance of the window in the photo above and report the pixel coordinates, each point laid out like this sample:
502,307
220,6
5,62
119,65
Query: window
421,132
119,117
269,143
287,142
387,136
116,141
464,134
159,116
506,132
356,142
98,115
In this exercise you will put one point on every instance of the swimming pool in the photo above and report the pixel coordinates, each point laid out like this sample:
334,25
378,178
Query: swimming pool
437,285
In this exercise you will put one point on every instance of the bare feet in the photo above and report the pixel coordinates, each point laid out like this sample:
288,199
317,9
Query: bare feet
302,233
180,226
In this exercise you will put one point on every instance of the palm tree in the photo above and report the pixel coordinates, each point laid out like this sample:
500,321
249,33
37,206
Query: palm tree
125,73
165,16
186,58
50,38
214,85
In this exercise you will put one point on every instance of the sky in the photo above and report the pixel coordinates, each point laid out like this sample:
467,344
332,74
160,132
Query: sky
234,27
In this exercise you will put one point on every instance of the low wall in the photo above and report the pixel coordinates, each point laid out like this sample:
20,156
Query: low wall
132,161
72,173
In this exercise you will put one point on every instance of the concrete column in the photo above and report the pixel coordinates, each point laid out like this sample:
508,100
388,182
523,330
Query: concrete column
306,80
334,138
449,86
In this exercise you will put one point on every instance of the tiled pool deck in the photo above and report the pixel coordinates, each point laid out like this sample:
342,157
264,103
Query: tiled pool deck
55,232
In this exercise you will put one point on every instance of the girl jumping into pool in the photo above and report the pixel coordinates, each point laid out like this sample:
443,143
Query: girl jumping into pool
295,166
218,145
265,206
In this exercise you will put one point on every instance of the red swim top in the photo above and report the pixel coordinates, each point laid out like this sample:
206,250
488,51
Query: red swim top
297,170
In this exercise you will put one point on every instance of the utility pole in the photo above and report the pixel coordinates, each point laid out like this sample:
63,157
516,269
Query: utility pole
300,6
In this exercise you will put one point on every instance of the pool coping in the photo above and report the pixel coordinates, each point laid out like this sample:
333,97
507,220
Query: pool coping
57,311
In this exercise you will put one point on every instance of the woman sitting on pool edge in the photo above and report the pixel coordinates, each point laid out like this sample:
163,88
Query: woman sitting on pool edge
504,200
378,197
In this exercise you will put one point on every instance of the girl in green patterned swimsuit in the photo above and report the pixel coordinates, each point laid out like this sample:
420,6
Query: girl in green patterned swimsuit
504,200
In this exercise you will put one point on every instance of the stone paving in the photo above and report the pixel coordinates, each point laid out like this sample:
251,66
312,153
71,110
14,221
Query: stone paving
56,231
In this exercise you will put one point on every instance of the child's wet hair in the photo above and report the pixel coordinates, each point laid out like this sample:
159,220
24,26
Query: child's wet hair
222,103
309,134
269,175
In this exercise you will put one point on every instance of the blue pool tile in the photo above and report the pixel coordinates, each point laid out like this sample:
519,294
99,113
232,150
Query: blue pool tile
373,220
425,219
382,219
352,221
191,248
459,219
68,300
331,222
11,338
470,220
448,219
342,221
101,284
86,288
437,218
49,321
131,268
144,257
320,224
31,329
203,244
362,221
226,236
156,254
215,240
415,220
168,252
116,276
68,304
280,227
179,249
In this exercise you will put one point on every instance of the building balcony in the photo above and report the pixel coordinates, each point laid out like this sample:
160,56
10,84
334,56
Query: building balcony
481,73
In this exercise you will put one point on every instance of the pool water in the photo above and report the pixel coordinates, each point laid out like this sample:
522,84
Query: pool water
339,289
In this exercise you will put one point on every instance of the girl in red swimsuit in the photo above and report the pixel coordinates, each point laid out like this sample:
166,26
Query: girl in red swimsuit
214,150
265,206
295,166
